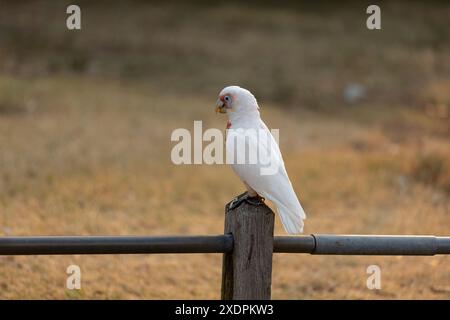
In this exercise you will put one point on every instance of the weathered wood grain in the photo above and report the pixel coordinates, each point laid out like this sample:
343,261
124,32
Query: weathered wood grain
247,270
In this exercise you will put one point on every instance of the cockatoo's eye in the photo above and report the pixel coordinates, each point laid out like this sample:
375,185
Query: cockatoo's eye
227,99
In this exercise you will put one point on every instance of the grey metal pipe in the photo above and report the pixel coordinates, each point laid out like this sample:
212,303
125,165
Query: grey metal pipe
443,245
294,244
313,244
328,244
114,245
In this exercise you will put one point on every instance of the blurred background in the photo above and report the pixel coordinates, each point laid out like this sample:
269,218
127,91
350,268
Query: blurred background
86,118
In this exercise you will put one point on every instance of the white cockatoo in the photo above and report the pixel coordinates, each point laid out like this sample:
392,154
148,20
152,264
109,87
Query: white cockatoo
267,176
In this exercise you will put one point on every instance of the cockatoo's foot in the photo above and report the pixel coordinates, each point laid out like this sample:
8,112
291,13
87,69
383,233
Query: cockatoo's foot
245,197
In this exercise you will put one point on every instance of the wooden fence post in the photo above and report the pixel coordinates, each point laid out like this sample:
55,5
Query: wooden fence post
247,270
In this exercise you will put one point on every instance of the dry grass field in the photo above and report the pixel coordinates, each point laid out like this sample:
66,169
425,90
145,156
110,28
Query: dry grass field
86,118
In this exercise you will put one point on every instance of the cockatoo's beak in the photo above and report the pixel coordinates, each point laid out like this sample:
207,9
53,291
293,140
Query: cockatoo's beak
220,107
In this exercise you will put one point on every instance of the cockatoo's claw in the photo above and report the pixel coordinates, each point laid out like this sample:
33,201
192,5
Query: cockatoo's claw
244,197
236,202
256,200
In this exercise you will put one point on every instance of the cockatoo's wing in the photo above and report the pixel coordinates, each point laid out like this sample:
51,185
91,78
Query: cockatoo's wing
275,187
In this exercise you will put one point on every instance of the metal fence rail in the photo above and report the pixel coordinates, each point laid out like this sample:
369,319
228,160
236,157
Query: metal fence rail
327,244
45,245
313,244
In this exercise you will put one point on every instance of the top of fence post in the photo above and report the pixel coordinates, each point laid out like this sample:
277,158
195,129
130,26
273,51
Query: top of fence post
247,270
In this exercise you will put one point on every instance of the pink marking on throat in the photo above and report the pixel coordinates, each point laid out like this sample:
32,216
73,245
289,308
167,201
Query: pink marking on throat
228,124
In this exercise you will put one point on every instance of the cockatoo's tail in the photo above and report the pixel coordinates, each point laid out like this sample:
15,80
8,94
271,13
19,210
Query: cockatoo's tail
243,114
